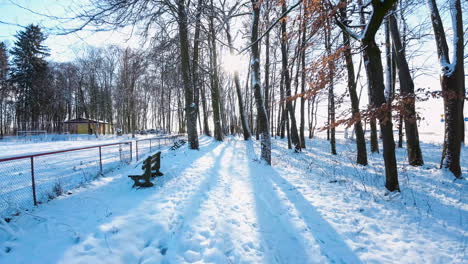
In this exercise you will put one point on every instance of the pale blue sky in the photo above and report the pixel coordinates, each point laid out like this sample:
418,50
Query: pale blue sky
63,48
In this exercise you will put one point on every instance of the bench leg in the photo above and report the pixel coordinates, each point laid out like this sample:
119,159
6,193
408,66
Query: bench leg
146,184
157,174
137,181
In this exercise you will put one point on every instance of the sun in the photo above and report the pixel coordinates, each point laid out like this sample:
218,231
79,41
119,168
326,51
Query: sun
232,63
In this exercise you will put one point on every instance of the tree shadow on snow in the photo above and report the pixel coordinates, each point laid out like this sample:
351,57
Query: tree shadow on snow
370,176
192,209
331,244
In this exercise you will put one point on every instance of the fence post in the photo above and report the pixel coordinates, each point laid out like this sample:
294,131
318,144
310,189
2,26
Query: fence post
33,181
136,149
100,159
120,151
131,156
159,143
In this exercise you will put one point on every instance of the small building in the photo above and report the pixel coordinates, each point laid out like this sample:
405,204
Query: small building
87,126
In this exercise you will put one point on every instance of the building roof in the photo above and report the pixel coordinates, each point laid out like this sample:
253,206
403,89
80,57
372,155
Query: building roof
84,120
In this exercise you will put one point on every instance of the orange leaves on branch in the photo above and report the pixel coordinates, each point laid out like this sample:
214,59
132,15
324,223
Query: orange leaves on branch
447,94
400,106
320,71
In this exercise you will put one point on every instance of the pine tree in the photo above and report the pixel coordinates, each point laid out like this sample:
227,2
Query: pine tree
3,84
3,65
28,74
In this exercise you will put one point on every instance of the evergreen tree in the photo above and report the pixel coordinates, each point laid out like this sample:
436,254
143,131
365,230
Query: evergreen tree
3,64
3,67
3,84
29,75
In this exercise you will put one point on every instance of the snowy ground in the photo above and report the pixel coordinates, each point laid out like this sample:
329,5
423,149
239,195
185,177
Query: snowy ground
56,173
13,146
221,205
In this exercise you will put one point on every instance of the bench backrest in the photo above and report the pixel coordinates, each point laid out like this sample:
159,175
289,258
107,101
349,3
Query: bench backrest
153,161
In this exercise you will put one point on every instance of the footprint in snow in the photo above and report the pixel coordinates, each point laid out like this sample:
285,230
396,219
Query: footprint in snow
234,222
148,243
192,256
87,248
163,250
206,234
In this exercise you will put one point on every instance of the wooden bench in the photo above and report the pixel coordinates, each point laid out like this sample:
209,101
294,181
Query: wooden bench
151,167
178,144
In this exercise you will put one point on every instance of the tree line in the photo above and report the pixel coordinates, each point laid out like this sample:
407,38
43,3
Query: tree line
301,54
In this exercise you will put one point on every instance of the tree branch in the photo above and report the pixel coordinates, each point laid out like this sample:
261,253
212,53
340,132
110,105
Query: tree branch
271,26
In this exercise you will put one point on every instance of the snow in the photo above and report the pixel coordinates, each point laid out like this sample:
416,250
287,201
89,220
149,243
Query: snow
56,173
15,146
222,205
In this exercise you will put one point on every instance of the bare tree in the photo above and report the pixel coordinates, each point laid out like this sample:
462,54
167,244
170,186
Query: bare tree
374,70
361,157
452,81
256,84
408,97
287,81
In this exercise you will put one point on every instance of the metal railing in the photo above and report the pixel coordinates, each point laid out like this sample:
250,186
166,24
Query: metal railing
28,180
148,145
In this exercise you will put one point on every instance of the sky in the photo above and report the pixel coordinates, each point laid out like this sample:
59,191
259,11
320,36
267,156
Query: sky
63,47
67,47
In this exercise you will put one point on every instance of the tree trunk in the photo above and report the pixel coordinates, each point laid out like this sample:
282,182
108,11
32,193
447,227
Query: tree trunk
407,92
287,81
206,127
288,132
190,105
310,112
303,82
400,130
267,60
374,71
331,94
452,83
281,114
360,139
374,142
255,79
215,96
388,63
243,116
196,52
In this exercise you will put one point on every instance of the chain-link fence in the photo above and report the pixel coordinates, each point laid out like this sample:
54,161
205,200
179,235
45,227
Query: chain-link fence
143,147
31,179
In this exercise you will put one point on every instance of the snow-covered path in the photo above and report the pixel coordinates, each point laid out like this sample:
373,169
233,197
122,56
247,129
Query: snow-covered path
242,217
221,205
212,207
